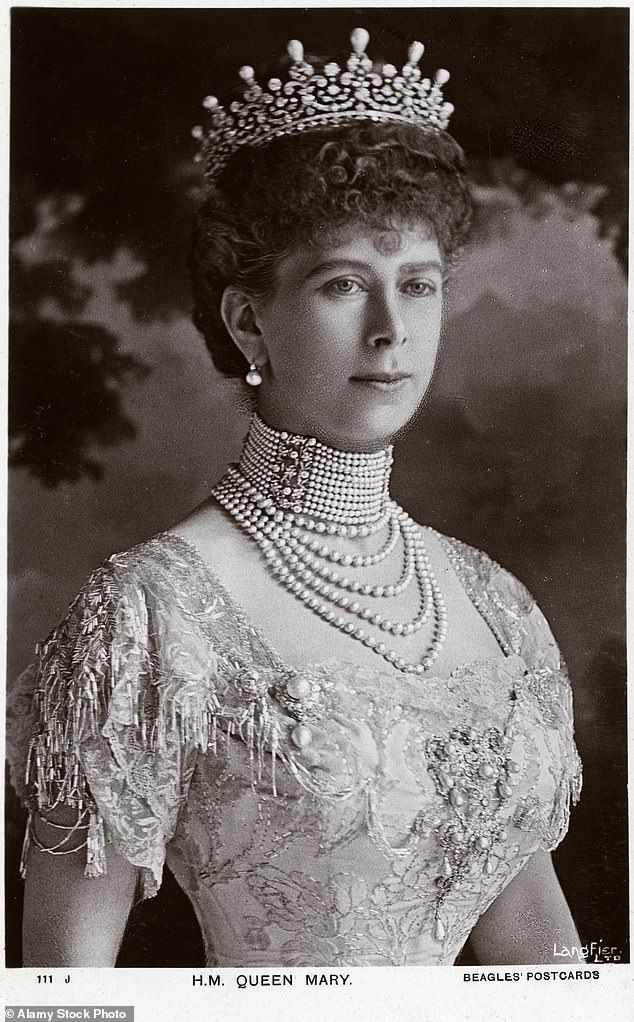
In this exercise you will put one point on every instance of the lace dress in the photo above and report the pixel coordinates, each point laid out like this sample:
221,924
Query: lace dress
328,815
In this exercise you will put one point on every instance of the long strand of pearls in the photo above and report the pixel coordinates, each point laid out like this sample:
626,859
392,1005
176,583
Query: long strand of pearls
287,487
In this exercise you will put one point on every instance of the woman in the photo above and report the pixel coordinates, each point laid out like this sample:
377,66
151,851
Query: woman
349,736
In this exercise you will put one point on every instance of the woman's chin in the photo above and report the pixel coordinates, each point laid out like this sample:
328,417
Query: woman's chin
370,431
352,425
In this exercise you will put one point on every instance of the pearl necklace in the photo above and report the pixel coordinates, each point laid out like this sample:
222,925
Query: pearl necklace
279,504
339,492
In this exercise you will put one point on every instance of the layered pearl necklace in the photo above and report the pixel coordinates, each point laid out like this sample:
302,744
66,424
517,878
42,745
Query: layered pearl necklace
290,493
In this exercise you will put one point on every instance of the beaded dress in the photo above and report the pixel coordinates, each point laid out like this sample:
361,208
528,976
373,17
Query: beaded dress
163,712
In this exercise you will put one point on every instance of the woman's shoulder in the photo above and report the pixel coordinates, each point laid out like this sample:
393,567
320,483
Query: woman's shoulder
504,602
147,618
162,571
482,575
135,598
165,559
178,558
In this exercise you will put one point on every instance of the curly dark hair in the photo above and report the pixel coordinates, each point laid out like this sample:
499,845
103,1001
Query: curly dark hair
303,189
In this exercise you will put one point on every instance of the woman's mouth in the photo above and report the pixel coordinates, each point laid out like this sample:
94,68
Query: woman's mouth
383,381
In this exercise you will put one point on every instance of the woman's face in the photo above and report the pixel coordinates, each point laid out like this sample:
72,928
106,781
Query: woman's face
351,335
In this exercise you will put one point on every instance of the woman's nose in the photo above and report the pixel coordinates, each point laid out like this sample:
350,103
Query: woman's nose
385,326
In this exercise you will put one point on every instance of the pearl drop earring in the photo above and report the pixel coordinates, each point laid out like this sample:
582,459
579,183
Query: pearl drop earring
253,377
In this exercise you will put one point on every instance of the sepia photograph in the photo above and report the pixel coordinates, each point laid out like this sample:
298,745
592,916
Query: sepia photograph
316,494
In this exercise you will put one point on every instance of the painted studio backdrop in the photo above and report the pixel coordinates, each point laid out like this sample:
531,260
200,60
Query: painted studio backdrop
119,424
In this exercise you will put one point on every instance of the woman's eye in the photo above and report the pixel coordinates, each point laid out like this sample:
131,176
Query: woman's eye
421,288
344,286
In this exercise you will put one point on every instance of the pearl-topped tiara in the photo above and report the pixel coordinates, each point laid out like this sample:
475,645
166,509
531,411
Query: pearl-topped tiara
314,98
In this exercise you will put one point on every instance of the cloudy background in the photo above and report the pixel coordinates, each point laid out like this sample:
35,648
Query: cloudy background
119,424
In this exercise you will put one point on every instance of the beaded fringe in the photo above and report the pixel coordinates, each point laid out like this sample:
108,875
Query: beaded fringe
26,844
57,778
569,792
74,689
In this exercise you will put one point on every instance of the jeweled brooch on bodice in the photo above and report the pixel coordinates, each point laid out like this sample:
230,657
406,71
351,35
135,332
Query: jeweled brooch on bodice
475,774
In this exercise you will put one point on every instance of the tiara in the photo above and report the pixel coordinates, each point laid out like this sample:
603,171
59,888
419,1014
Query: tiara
315,99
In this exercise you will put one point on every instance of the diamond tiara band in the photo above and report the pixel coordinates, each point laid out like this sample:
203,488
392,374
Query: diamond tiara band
314,98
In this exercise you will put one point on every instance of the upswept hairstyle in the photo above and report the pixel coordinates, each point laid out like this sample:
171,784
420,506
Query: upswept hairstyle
302,190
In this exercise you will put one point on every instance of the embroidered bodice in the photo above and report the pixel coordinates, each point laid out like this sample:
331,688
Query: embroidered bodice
378,839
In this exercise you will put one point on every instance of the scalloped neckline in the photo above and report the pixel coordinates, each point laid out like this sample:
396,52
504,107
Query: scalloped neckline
321,665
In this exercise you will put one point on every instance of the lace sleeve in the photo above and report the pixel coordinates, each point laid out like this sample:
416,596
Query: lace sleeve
545,699
549,694
107,736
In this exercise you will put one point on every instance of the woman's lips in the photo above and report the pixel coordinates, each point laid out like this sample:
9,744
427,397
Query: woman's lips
383,381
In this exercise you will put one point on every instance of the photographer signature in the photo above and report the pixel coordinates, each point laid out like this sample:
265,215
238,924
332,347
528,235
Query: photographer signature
594,951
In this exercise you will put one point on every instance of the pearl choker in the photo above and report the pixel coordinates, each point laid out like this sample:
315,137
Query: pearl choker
287,487
299,474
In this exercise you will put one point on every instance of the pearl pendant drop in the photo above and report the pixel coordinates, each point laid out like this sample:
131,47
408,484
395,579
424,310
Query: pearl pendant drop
253,377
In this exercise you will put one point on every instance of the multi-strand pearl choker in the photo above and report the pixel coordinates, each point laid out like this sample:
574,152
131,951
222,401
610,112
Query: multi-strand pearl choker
290,493
300,475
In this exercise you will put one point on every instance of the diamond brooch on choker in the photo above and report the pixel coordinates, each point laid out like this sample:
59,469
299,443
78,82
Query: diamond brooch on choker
287,509
315,97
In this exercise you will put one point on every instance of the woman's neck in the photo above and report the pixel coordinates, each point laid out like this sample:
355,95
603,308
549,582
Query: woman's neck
303,476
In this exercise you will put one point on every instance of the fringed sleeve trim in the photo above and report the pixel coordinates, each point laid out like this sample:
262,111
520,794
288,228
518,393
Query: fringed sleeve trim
127,692
72,683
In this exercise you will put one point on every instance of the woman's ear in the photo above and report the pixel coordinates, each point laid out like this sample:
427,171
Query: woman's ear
240,318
